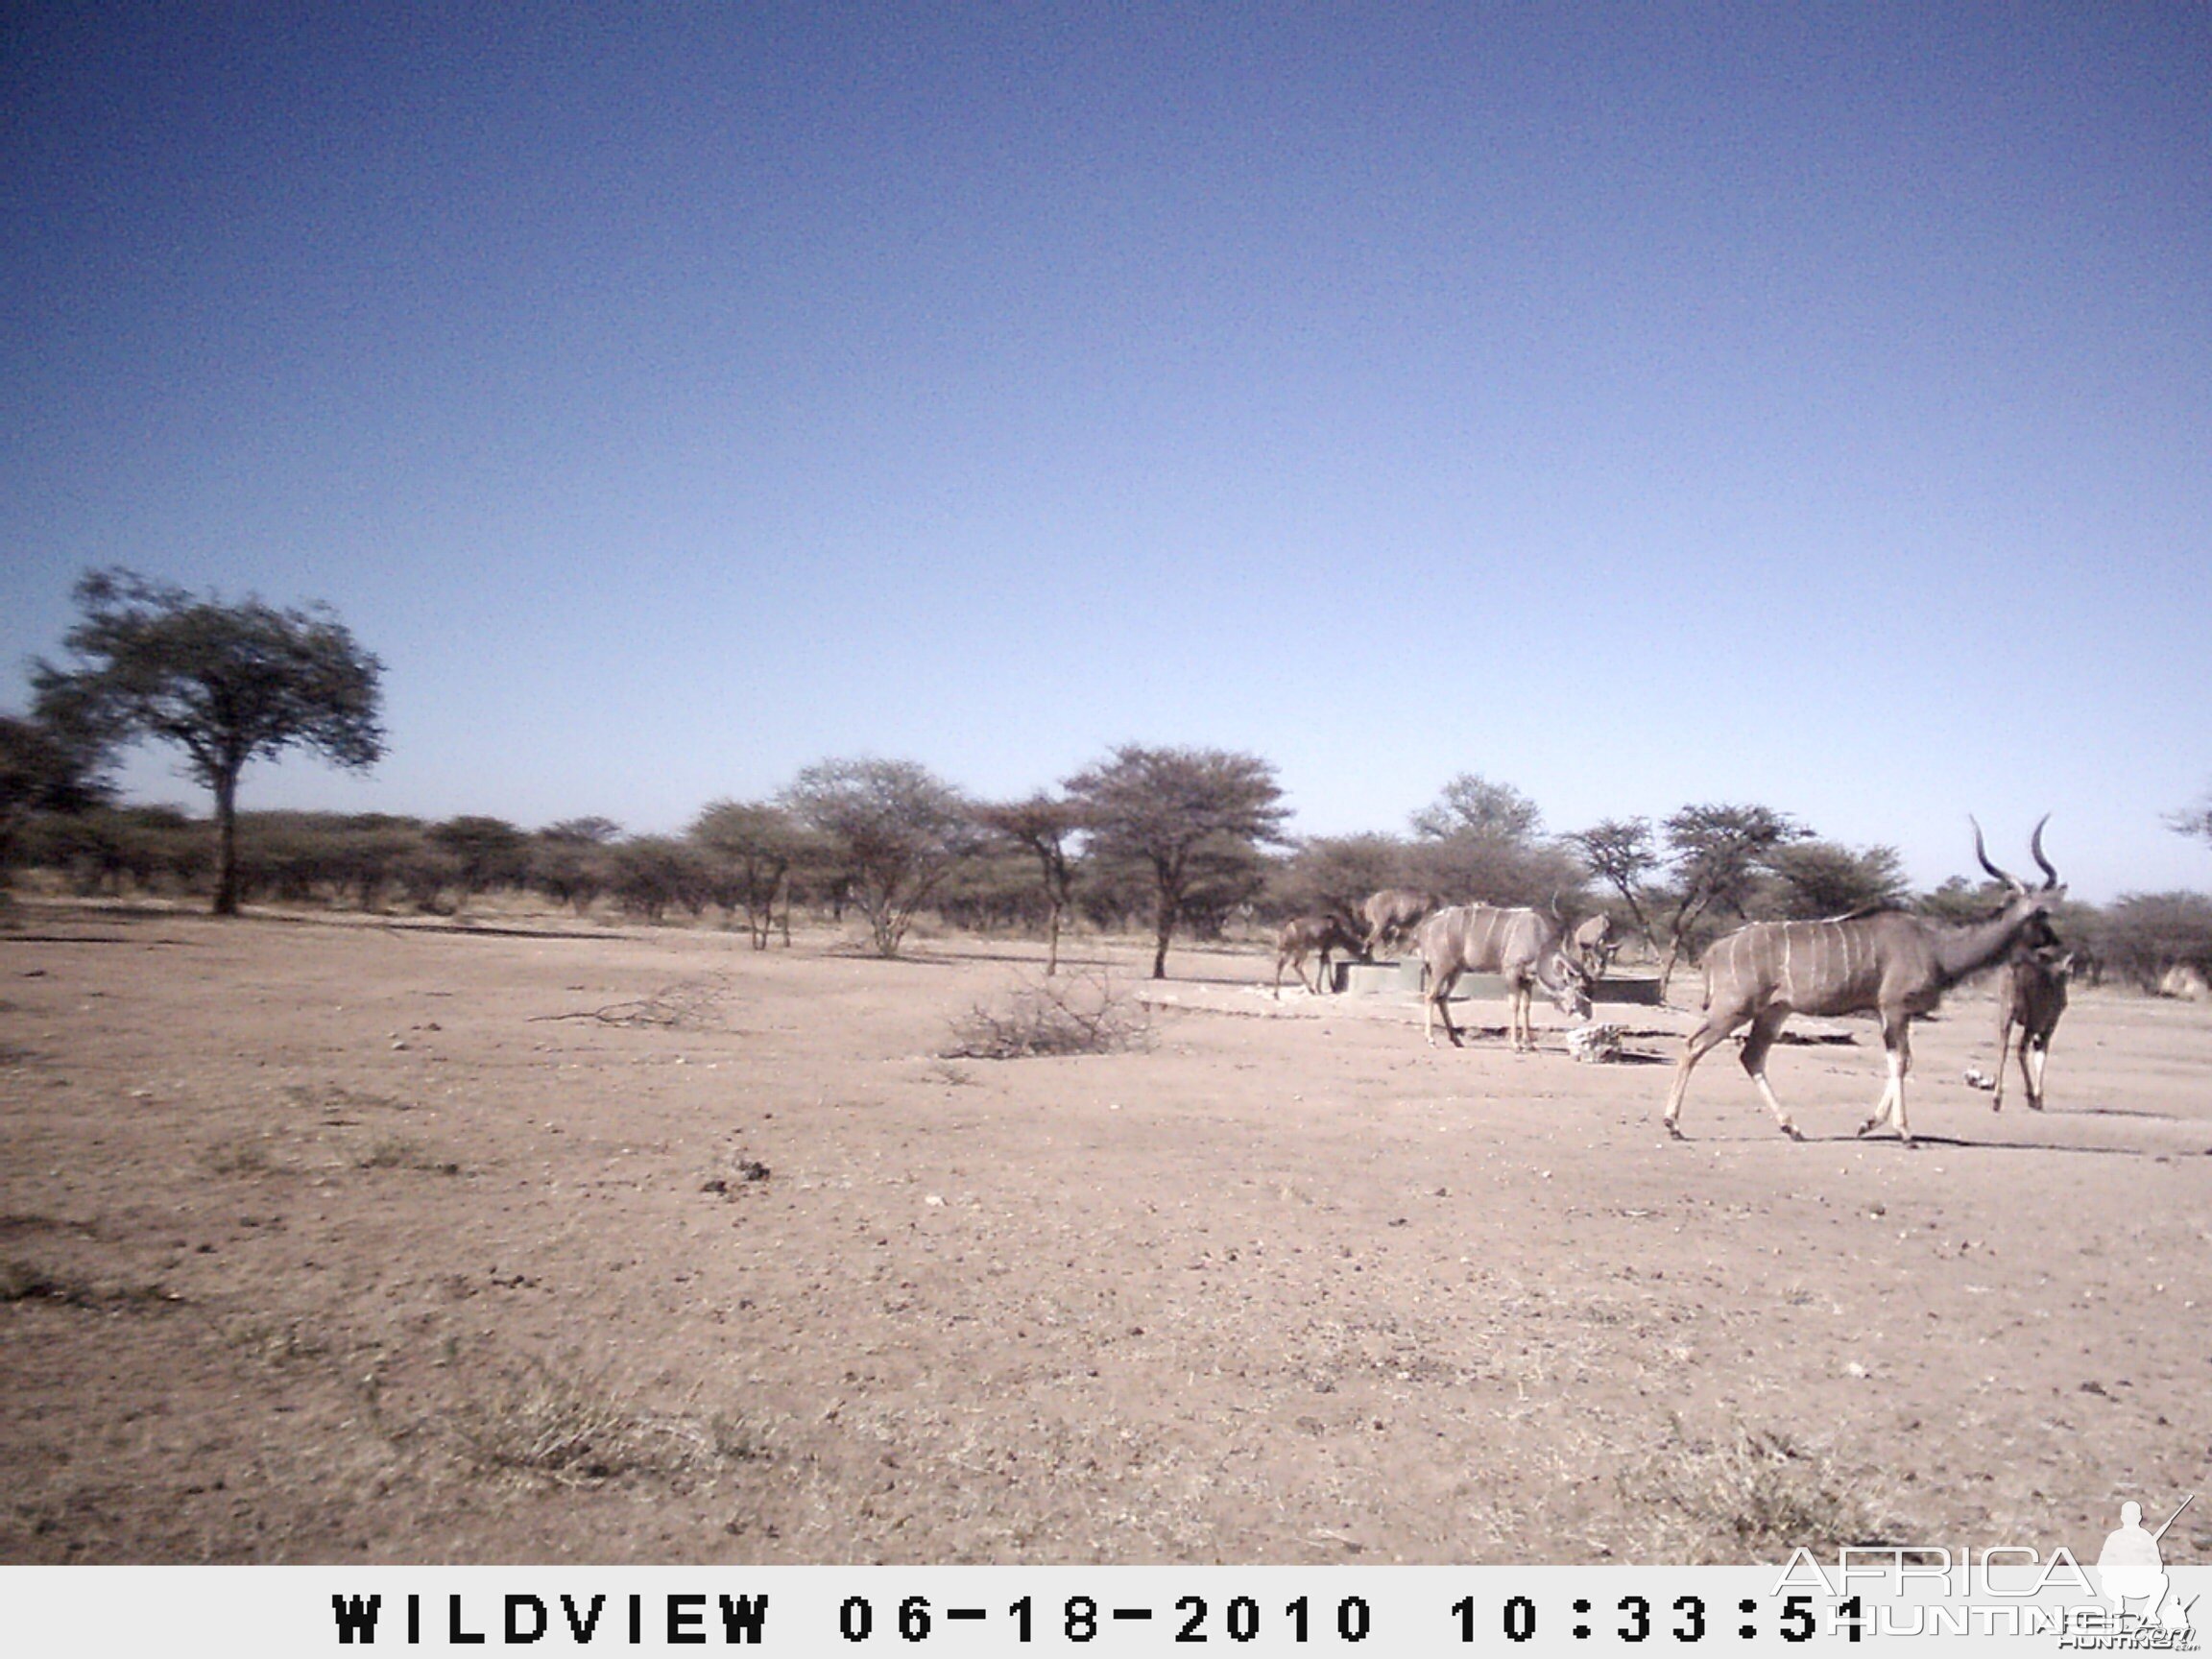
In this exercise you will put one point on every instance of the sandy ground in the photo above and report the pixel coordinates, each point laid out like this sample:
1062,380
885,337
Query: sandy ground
327,1239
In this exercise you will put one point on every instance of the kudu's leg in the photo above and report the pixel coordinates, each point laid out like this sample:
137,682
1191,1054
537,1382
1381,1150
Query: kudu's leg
2003,1054
2035,1074
1439,1005
1897,1045
1699,1042
1764,1029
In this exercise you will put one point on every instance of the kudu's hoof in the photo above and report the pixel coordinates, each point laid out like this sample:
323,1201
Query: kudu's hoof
1792,1131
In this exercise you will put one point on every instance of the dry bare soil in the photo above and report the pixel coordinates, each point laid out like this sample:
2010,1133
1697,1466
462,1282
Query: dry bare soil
328,1240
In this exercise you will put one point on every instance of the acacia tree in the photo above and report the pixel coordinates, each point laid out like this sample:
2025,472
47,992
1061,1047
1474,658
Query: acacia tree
1040,826
1335,872
1718,852
1177,812
1820,879
647,873
487,853
2193,821
226,684
569,861
44,770
1483,841
1471,805
755,843
895,831
1619,851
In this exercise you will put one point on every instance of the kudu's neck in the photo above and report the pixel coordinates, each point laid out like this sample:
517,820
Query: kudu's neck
1967,946
1551,966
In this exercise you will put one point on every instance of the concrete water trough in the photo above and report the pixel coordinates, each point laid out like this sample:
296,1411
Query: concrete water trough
1403,979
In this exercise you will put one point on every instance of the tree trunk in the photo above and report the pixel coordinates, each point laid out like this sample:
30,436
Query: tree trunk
227,843
1052,942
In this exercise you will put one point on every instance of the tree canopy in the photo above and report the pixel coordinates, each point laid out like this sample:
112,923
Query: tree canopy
226,682
1822,878
755,844
896,829
1471,805
1183,813
1040,826
2193,821
1619,851
44,770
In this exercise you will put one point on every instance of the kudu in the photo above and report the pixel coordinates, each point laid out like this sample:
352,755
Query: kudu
1523,946
2031,996
1885,962
1303,935
1593,944
1391,915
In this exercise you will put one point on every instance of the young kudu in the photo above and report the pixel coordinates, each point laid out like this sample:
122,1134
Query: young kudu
2031,996
1303,935
1521,944
1890,963
1391,916
1593,944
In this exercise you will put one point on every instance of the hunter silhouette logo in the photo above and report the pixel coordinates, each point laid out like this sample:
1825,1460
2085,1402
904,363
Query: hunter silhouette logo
2130,1569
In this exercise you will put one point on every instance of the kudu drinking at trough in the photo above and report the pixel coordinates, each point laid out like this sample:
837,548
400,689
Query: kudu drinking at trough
1886,962
1523,946
1391,916
1302,937
1594,945
2031,996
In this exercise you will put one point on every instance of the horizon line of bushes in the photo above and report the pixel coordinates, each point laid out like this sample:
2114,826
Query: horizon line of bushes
754,863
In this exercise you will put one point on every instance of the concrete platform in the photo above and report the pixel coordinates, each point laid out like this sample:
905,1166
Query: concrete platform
1403,979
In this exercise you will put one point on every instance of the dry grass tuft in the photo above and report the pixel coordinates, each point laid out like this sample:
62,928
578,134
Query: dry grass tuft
23,1281
1077,1014
1754,1499
275,1342
238,1155
337,1097
403,1152
576,1431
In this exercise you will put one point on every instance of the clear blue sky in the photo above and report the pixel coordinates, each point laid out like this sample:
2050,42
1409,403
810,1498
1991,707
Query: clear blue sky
1640,404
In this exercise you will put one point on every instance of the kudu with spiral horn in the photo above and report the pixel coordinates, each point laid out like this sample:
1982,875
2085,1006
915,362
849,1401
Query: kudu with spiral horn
1886,962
